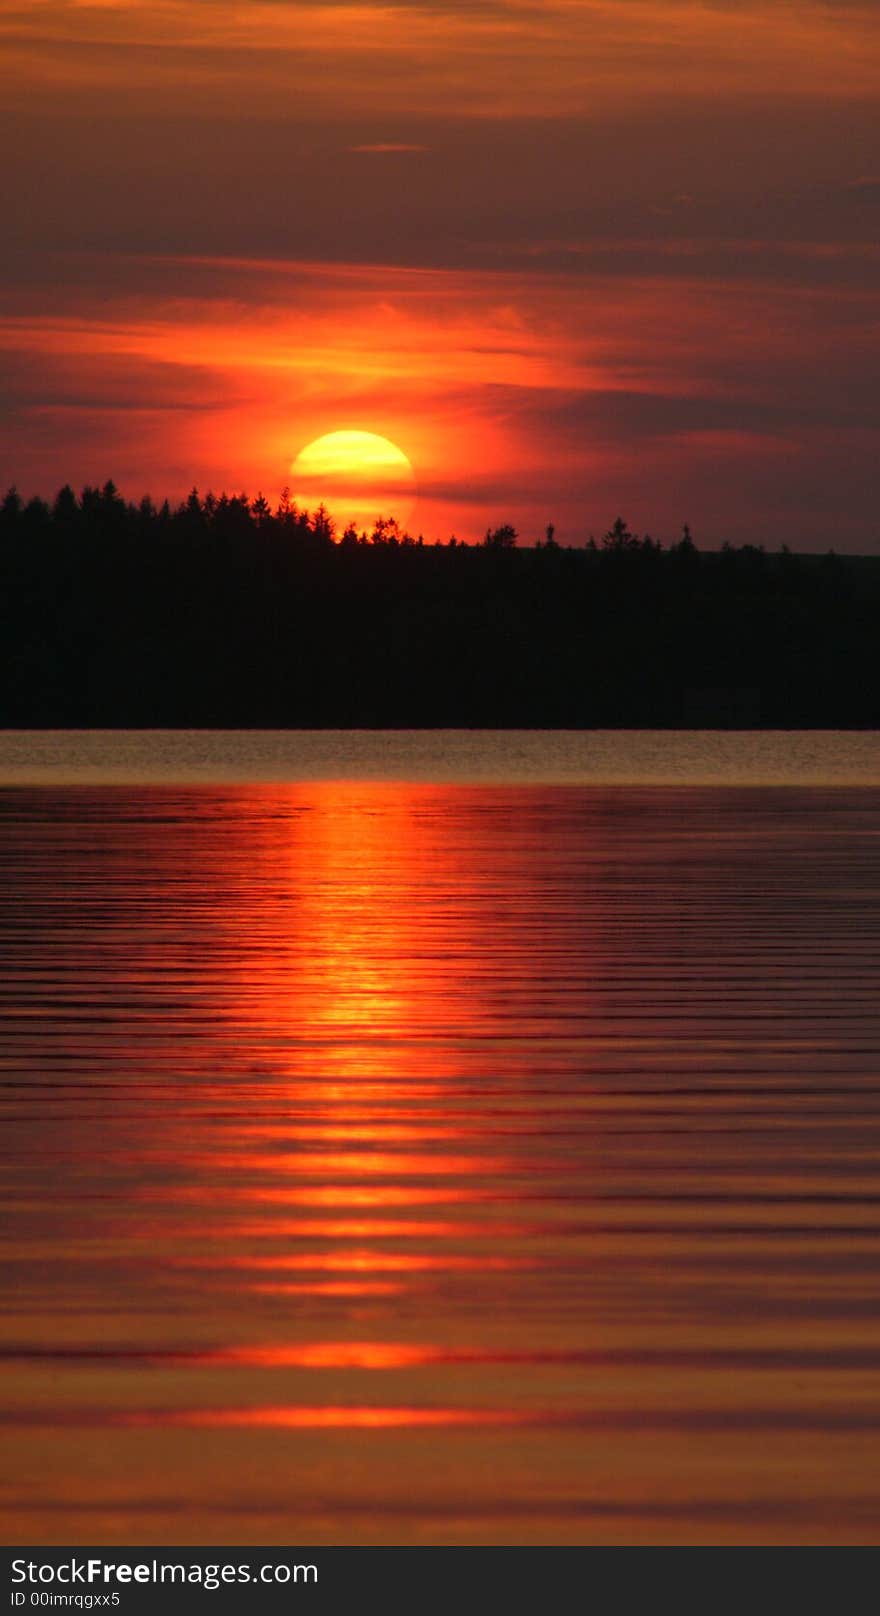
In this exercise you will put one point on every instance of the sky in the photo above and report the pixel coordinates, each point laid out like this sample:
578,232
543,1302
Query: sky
575,258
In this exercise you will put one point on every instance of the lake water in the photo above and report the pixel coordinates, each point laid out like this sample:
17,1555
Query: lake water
445,1157
528,757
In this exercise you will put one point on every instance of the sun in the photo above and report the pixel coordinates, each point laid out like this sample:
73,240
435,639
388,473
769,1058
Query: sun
357,475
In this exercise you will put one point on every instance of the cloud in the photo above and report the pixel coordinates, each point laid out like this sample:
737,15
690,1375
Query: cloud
389,146
476,61
517,394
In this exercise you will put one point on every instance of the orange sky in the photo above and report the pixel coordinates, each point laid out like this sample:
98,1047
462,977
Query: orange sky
573,258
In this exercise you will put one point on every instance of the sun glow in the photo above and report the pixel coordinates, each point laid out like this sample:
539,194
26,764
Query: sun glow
357,475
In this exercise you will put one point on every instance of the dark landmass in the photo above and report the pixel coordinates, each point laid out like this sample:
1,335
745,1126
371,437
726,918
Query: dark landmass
226,613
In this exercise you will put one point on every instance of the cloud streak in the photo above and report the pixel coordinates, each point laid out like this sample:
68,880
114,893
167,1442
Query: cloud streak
508,391
485,61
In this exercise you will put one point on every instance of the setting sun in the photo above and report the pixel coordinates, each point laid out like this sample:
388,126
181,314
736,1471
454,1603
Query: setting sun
357,475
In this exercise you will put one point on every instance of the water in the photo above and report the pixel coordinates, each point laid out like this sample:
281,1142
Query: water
530,757
417,1161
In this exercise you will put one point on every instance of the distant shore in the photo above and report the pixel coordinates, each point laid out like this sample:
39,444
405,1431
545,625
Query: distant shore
233,616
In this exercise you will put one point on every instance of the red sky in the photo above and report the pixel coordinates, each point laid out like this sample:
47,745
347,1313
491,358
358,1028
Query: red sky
574,258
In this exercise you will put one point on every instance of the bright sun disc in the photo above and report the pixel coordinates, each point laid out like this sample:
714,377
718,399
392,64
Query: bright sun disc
357,475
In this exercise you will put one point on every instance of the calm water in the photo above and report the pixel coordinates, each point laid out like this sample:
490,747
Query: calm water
431,1162
530,757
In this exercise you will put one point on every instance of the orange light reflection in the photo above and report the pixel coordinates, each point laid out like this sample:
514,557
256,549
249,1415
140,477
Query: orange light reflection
327,1417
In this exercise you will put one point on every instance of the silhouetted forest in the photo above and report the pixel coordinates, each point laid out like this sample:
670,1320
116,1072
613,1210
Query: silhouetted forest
225,612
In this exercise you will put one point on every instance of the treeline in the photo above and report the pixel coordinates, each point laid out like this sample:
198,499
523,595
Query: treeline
227,612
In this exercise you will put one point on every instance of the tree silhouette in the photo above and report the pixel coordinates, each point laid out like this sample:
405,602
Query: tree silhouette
500,538
224,611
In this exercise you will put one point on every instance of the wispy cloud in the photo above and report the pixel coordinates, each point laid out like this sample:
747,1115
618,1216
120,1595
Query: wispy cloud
565,57
505,389
380,146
